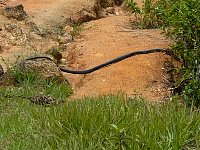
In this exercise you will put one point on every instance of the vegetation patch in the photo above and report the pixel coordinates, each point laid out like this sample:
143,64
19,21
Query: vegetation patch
97,123
146,17
29,84
181,22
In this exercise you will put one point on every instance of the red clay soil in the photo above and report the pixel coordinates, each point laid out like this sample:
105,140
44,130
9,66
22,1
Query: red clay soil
52,12
106,39
102,40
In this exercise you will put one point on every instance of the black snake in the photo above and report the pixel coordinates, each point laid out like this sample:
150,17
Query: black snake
115,60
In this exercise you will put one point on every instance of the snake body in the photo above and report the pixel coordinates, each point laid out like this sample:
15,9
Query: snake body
115,60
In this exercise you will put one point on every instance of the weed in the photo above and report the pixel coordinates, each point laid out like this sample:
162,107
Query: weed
120,137
147,16
77,28
23,77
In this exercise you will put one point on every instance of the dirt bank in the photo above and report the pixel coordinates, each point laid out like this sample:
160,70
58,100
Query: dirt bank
99,41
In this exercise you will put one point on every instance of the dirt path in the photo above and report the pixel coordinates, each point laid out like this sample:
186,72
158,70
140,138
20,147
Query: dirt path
100,41
107,38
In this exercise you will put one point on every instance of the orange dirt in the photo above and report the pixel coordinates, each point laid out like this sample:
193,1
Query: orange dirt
46,13
107,38
100,41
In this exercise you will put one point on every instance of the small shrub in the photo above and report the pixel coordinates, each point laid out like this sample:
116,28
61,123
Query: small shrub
180,20
147,16
182,23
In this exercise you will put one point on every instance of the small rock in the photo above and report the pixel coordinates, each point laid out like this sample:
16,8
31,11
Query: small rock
117,13
1,70
106,3
68,29
110,10
16,12
86,16
66,38
46,68
42,100
102,13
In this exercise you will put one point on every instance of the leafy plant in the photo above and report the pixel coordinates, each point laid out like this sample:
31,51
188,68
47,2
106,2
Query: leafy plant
147,16
120,137
76,30
180,20
182,23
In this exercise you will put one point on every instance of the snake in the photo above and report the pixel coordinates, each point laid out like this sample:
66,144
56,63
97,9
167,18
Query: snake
115,60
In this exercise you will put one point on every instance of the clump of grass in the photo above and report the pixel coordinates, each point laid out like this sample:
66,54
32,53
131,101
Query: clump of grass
30,83
77,28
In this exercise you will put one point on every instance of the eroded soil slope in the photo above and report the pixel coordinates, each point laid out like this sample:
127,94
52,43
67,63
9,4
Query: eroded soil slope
108,38
47,13
99,41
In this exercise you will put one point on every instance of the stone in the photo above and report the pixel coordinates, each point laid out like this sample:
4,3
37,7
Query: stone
110,10
68,29
85,16
104,12
106,3
66,38
46,68
16,12
1,70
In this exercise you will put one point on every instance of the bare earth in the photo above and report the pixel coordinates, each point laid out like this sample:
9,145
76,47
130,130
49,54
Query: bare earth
100,41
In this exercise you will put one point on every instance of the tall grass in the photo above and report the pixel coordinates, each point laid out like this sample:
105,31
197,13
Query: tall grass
109,122
98,123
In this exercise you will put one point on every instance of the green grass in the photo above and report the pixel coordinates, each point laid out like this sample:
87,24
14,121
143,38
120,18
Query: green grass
97,123
77,28
109,122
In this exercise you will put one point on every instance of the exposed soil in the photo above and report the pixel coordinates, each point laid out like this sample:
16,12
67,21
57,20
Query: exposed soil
99,41
107,38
